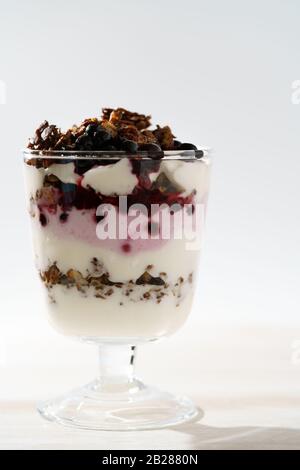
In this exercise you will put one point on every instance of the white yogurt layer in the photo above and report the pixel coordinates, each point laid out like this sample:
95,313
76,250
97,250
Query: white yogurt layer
73,314
34,178
111,179
65,172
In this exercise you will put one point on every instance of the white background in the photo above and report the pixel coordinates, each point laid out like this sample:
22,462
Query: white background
221,74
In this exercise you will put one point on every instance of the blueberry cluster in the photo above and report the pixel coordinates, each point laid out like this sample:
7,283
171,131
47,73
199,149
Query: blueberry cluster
96,137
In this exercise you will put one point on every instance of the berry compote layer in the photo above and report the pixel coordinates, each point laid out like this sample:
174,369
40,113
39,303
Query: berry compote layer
131,284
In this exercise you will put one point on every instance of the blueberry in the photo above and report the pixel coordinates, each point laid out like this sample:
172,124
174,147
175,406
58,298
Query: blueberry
150,148
105,136
63,217
177,144
199,154
98,135
84,142
186,146
68,187
68,194
154,150
97,142
109,148
129,146
101,138
43,220
91,128
102,134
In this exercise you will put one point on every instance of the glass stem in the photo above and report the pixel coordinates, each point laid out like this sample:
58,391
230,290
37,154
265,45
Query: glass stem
116,367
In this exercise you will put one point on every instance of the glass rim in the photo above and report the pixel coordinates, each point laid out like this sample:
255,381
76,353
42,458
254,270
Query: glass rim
192,155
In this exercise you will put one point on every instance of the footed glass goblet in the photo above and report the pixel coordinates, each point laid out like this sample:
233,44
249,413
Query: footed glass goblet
117,240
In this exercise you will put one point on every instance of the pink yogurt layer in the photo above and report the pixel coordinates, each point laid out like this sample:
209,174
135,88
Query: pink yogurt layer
81,225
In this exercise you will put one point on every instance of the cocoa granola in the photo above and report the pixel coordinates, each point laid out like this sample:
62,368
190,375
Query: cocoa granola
116,130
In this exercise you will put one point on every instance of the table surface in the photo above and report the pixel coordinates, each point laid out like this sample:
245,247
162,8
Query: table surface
246,381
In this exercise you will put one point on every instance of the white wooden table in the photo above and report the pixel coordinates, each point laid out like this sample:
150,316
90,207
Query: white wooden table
247,381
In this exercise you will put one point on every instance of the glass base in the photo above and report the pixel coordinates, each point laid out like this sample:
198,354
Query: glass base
131,406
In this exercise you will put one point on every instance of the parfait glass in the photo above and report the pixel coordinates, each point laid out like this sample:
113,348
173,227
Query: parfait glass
117,239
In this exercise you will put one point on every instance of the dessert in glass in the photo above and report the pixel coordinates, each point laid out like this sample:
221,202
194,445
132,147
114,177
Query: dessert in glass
117,216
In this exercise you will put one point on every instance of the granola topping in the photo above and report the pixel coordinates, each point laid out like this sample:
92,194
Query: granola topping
116,130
